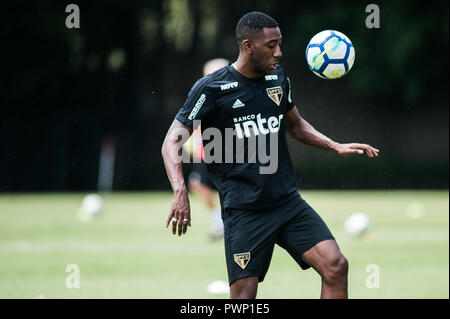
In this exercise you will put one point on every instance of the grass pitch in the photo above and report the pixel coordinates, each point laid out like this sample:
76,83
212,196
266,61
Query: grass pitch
128,253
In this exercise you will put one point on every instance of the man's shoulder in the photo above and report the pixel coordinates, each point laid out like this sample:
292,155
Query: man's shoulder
220,74
215,80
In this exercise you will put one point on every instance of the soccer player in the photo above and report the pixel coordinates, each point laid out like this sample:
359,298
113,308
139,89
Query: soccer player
253,96
199,181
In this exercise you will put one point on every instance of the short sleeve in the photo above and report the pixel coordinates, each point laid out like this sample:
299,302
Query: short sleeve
199,103
290,102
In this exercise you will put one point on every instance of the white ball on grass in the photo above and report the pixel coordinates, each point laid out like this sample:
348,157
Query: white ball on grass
218,287
91,206
357,224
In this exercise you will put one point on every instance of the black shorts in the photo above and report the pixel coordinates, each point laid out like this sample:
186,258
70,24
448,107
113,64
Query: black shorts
250,236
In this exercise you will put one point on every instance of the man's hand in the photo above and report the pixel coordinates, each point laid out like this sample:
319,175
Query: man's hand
355,148
180,213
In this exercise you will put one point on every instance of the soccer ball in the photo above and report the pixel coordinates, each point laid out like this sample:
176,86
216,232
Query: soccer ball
218,287
357,224
330,54
91,206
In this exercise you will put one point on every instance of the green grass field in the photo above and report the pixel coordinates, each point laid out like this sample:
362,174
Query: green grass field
127,253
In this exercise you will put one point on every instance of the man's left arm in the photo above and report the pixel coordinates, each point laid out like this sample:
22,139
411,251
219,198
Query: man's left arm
305,133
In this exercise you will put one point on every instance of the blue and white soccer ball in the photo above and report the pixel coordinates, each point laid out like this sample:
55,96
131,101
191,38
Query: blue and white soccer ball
330,54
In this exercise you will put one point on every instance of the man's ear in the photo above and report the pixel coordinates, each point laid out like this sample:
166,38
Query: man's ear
247,46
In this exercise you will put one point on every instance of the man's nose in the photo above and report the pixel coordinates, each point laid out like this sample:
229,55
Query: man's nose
277,54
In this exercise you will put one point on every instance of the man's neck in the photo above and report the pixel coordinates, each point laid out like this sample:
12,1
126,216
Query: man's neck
243,66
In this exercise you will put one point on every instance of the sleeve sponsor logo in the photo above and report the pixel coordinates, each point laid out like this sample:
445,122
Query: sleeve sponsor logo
197,106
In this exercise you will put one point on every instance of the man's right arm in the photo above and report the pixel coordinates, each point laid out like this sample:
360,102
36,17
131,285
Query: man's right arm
171,153
302,131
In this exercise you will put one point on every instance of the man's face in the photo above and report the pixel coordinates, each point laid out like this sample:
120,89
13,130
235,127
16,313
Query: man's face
266,50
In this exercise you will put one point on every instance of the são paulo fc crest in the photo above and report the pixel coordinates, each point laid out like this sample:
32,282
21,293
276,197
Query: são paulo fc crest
275,93
242,259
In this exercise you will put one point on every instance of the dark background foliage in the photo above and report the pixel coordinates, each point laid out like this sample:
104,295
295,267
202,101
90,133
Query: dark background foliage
125,72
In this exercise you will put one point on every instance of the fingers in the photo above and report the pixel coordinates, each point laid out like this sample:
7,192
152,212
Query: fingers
183,225
370,151
174,220
174,225
354,151
351,150
186,223
179,224
364,148
179,216
180,228
375,151
169,218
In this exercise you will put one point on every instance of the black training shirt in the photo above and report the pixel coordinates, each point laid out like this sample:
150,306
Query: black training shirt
251,107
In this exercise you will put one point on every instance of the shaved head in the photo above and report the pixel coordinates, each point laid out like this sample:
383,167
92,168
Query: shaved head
253,23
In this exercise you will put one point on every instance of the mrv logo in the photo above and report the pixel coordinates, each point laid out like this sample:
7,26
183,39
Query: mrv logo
247,126
227,86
